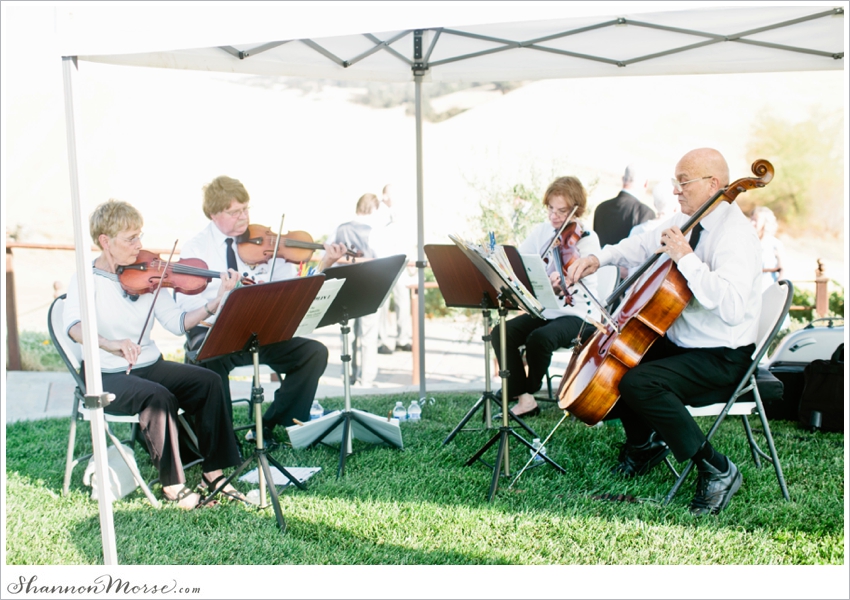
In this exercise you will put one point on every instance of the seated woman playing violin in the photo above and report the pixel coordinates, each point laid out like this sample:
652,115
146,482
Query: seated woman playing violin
223,245
564,198
142,381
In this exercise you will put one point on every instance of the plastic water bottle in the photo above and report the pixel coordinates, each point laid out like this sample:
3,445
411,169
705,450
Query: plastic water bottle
399,411
414,411
538,457
316,411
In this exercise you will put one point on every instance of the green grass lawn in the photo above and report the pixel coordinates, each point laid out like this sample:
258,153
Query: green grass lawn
423,506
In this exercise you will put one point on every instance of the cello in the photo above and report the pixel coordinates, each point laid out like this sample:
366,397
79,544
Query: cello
657,295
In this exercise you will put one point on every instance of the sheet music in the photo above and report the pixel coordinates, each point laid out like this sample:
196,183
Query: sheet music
502,265
540,284
303,435
330,288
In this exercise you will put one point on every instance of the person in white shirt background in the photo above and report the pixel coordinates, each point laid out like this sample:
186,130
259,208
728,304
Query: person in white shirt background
707,347
395,240
764,222
666,203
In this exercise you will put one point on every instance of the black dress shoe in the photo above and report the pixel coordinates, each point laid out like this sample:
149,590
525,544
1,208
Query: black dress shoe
383,349
637,460
715,489
404,347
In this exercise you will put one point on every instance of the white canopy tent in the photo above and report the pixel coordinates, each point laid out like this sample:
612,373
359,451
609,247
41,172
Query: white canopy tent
430,42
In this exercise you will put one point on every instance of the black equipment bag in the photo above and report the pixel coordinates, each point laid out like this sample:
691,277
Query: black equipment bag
822,402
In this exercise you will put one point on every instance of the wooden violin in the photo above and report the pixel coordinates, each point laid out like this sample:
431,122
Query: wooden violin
564,251
590,385
188,276
257,245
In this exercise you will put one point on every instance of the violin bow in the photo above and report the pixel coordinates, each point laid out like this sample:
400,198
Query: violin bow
559,232
153,304
276,246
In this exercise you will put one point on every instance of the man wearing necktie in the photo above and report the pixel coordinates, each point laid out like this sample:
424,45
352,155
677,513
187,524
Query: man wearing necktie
301,360
708,347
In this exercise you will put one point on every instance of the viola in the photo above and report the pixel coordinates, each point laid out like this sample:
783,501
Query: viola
565,251
657,295
257,245
188,276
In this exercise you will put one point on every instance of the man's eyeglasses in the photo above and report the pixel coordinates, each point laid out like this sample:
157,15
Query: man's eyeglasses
237,212
680,185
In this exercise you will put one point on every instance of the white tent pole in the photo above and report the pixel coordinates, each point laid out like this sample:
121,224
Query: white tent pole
420,234
85,281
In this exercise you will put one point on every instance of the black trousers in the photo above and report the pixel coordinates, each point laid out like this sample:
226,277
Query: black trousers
156,393
540,338
300,362
653,394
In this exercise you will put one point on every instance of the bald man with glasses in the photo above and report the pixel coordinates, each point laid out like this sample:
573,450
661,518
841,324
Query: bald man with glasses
708,347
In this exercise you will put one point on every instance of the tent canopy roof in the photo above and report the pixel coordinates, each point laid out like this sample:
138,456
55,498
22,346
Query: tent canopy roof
443,45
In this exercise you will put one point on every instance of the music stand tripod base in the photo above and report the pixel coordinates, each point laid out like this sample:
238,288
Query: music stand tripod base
260,453
367,286
506,432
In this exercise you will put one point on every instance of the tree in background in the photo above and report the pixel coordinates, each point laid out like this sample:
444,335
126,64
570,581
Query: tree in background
510,209
808,188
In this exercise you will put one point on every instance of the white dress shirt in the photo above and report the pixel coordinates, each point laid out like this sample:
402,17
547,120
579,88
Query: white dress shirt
582,307
210,245
723,274
120,318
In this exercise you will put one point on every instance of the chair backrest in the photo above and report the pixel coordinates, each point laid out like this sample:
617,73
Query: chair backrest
69,351
607,278
775,303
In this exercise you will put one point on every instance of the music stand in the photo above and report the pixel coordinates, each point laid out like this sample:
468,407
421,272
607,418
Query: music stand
463,286
509,294
367,286
254,316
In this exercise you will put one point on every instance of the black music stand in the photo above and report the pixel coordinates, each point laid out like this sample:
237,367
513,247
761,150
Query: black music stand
254,316
509,295
367,286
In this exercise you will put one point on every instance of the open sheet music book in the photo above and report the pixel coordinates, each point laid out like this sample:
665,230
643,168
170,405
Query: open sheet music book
500,263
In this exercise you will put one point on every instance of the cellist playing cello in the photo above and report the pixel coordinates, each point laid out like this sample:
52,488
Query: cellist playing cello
708,347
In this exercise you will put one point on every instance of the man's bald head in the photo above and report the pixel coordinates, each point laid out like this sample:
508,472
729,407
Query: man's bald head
705,161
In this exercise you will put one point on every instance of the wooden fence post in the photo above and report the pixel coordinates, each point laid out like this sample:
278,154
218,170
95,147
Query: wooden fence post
821,290
13,343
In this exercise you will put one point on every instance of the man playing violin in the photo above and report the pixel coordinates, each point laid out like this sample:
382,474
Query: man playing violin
142,381
301,360
565,197
711,343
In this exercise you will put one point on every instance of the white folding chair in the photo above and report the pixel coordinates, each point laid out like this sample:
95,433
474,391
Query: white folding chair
776,300
71,354
607,278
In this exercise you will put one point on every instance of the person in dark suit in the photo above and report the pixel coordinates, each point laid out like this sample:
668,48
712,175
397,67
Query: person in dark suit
614,218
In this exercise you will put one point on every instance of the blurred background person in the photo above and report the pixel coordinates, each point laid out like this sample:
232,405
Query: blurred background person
394,333
665,202
364,233
772,250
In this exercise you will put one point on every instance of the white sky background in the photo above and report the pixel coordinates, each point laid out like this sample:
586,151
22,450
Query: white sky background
154,138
